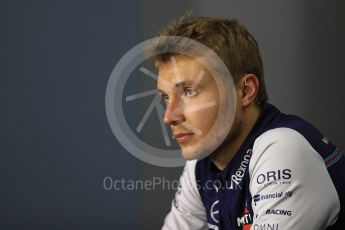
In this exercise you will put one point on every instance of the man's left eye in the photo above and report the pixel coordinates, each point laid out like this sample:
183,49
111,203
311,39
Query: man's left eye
190,91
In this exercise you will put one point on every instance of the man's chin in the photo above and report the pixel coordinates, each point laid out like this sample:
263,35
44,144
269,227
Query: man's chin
199,150
194,154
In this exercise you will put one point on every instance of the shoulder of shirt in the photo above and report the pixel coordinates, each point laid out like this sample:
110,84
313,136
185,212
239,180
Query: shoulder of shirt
291,142
315,197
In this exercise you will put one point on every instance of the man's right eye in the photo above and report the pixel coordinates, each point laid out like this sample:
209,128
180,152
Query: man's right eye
164,98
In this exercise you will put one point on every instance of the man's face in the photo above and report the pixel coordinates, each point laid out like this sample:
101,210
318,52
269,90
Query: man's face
192,103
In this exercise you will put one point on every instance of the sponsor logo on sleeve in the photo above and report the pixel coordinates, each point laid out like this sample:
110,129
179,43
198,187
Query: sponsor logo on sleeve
265,226
280,176
280,212
277,195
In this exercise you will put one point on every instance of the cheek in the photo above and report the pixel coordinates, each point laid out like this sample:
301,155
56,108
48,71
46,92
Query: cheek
204,119
211,115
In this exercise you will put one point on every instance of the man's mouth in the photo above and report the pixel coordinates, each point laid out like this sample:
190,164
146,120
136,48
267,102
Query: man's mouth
183,137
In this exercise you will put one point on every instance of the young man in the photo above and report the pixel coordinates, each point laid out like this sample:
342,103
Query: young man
271,171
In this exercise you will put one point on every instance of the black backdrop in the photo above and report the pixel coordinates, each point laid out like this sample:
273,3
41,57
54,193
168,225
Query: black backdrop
56,146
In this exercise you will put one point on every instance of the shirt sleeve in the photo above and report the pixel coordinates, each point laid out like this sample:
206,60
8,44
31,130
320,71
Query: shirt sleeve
290,185
187,209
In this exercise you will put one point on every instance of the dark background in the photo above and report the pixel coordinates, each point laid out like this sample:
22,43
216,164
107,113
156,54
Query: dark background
56,146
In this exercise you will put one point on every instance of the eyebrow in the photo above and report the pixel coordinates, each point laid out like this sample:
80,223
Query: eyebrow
159,91
183,83
177,85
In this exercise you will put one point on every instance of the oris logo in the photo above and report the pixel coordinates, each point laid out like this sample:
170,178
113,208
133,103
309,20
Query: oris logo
278,212
269,176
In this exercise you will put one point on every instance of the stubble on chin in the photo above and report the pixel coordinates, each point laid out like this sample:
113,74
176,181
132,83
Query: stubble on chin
231,136
218,136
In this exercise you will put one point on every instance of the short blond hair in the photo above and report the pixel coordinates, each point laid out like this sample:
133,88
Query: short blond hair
229,39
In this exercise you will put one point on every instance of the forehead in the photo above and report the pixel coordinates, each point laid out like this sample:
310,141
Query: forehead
182,69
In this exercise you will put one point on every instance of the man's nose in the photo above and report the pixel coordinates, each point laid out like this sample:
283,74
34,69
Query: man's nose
174,112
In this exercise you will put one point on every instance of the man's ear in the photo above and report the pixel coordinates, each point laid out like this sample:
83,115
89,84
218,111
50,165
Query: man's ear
249,87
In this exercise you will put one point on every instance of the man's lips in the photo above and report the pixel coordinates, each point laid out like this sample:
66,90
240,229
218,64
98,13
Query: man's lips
183,137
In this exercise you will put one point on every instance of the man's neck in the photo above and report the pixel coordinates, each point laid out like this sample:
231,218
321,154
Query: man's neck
223,156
